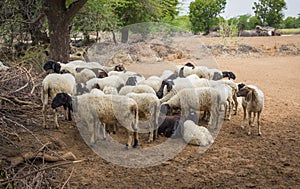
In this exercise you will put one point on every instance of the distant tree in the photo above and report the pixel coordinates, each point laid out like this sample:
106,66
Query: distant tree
95,16
203,14
131,12
269,11
253,22
289,22
182,22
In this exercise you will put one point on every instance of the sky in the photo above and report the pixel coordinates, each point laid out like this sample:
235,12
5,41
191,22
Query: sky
235,8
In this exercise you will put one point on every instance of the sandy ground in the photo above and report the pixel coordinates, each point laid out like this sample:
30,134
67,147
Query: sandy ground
234,160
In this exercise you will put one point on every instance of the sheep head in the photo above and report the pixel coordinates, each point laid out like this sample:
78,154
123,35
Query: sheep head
189,65
52,65
61,99
65,100
119,68
246,92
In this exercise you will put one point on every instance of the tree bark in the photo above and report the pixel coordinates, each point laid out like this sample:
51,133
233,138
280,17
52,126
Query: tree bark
124,33
59,19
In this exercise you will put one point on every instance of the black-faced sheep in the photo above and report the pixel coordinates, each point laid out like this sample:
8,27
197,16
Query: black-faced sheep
196,99
229,75
53,84
106,109
253,102
176,85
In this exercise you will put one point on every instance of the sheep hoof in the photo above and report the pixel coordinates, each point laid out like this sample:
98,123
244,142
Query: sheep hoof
127,147
135,143
259,134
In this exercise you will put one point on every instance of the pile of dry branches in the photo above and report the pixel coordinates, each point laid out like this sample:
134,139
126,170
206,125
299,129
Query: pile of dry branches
26,161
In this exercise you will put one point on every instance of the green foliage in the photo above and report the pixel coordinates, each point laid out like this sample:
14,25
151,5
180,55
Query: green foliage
203,14
229,31
290,22
269,11
182,22
245,22
16,19
96,15
131,12
253,22
99,15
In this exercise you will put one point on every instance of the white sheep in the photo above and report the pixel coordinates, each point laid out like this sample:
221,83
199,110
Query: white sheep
215,74
71,67
253,102
227,91
110,90
53,84
175,86
112,81
90,109
97,92
125,75
196,135
200,71
149,109
136,89
196,99
168,74
153,81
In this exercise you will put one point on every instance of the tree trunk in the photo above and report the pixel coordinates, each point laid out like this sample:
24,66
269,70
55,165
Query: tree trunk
124,33
59,20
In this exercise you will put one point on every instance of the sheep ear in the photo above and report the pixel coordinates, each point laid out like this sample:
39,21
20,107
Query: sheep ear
249,96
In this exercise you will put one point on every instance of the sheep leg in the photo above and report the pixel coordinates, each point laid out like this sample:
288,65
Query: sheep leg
229,110
114,129
225,111
129,141
55,119
258,123
151,130
235,103
44,116
104,131
250,123
244,118
135,140
254,115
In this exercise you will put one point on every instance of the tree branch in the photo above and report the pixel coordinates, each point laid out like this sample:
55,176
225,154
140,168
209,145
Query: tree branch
75,7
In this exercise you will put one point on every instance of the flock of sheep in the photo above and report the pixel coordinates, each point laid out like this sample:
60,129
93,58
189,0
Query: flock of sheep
169,104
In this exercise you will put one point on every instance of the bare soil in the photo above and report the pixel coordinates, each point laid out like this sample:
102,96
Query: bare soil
234,160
